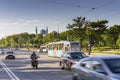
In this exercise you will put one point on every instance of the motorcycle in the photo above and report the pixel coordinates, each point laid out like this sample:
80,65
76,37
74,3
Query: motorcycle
34,63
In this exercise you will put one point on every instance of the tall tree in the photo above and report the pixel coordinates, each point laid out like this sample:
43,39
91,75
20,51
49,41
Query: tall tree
76,29
96,29
113,33
77,23
118,42
38,40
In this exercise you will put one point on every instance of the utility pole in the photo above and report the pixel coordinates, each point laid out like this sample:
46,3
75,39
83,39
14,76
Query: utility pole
53,36
89,44
67,35
58,34
36,31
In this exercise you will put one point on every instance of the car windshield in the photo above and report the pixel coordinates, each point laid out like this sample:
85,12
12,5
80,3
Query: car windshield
113,65
77,55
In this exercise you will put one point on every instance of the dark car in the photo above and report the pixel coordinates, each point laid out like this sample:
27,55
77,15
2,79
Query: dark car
97,68
9,55
70,58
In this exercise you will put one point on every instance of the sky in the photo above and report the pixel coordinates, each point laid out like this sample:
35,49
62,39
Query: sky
18,16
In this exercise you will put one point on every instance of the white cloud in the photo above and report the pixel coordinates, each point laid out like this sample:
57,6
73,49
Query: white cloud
19,26
28,25
20,22
29,21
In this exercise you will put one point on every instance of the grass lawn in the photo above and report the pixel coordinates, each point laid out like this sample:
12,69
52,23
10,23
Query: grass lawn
108,52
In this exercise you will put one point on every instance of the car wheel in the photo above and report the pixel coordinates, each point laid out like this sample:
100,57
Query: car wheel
6,58
70,66
61,64
75,78
36,65
13,57
66,66
62,68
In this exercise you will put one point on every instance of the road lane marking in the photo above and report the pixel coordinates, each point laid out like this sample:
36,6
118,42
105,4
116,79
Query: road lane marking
9,72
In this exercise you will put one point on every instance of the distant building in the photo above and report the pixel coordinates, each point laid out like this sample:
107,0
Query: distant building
44,32
36,31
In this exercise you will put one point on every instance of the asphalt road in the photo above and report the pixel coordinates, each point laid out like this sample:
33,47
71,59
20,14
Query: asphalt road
20,68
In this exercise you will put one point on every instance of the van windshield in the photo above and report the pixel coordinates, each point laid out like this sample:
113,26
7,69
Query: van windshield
75,47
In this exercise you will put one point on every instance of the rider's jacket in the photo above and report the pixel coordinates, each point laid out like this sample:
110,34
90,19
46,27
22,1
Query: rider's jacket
33,56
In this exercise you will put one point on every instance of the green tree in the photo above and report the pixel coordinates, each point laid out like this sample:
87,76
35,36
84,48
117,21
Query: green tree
77,23
112,34
25,38
13,42
51,37
6,42
38,40
2,42
95,30
118,42
76,30
63,35
31,38
48,38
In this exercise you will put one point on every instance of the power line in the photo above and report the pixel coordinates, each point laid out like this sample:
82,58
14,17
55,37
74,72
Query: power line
78,6
63,4
106,4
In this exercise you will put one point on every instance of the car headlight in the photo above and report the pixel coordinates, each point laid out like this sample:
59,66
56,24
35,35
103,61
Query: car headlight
74,62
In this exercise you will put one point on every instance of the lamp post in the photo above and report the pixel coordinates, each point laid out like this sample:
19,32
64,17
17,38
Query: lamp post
67,36
89,44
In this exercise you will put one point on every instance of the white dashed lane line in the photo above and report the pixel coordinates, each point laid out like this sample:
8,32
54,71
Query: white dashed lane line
9,72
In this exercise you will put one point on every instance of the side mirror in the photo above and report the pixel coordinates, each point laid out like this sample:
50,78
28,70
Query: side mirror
69,57
83,65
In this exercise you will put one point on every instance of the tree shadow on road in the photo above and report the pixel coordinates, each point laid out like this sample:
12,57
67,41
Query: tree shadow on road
45,73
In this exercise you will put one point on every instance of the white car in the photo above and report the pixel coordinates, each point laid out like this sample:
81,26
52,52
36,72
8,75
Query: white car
70,58
97,68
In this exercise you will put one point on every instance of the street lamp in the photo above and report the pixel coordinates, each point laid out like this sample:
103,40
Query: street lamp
67,34
89,44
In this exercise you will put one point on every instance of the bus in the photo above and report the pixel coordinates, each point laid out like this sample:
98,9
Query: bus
56,49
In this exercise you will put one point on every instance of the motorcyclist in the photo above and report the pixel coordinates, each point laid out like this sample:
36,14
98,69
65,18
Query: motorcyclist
33,57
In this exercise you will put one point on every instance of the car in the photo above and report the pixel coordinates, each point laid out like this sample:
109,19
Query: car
70,58
9,55
97,68
42,49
